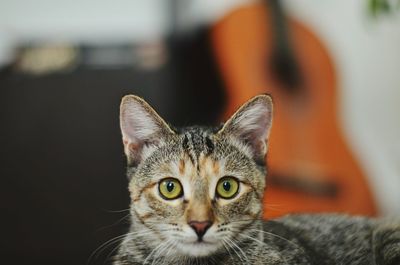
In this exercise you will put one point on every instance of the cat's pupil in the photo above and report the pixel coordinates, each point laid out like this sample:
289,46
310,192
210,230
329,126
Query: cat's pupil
170,186
226,185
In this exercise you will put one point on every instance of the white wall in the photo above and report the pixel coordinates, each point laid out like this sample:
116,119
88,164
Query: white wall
367,55
83,20
79,21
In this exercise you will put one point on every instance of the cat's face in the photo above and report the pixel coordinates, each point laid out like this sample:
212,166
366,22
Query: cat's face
196,191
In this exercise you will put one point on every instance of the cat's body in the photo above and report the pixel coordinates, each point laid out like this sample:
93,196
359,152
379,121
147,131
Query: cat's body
196,199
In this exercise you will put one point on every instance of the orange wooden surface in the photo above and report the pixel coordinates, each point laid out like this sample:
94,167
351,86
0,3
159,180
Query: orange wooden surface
306,140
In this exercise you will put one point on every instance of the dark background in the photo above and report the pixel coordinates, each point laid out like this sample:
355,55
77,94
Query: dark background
63,184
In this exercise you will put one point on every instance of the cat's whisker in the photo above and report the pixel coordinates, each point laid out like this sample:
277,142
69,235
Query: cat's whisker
234,246
266,232
240,249
254,239
115,223
226,247
151,253
160,250
112,241
100,249
277,236
111,253
118,211
263,243
231,247
170,247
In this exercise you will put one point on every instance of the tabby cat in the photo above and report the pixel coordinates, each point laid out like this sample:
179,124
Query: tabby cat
196,198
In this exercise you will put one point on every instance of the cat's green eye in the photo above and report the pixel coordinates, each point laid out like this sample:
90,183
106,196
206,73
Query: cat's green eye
227,187
170,188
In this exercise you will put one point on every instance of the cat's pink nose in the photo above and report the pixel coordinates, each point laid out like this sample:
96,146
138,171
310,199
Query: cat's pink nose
200,227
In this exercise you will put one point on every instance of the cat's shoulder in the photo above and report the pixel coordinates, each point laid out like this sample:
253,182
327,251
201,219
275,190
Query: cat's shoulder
327,220
326,226
322,236
334,221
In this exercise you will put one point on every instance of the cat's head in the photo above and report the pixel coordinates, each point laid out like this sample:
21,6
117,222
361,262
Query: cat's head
197,189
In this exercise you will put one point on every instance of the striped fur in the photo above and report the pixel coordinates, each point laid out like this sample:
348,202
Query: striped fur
198,157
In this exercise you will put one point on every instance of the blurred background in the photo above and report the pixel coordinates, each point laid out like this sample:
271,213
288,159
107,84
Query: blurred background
331,66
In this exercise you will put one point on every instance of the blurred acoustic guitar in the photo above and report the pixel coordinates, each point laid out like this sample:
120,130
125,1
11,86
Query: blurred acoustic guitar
311,169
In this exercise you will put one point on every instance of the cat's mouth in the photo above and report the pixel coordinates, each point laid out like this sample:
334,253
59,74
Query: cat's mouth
200,242
197,248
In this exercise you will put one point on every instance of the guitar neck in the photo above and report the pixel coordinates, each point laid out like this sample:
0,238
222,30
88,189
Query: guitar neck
283,61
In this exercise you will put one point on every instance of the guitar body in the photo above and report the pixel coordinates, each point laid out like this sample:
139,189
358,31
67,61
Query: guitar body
310,167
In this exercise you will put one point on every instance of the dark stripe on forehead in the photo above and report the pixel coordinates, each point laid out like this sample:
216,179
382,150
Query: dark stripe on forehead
185,142
188,147
197,140
209,144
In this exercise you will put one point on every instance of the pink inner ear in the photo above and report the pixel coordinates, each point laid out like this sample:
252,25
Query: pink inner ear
134,146
251,124
254,128
140,125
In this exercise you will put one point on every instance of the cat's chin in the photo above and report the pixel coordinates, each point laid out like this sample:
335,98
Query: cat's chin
197,249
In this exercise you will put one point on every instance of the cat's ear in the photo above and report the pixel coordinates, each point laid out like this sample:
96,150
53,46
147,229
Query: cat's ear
251,124
141,127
